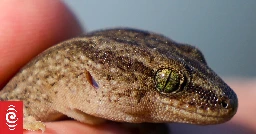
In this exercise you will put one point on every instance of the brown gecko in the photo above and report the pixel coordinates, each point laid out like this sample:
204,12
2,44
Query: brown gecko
123,75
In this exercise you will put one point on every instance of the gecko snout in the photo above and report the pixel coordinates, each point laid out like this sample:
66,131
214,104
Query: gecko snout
230,101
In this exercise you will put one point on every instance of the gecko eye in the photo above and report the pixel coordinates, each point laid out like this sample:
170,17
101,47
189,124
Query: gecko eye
168,80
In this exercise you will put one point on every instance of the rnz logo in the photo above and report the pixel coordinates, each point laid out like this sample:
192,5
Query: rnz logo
11,117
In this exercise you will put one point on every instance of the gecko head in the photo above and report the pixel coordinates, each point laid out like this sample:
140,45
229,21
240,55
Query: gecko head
154,79
195,95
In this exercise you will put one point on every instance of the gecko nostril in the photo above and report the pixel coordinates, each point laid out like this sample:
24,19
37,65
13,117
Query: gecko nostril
224,104
91,80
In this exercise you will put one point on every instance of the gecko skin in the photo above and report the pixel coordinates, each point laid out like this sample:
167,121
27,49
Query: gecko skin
140,77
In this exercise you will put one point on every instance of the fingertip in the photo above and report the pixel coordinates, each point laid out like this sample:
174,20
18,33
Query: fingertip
74,127
29,27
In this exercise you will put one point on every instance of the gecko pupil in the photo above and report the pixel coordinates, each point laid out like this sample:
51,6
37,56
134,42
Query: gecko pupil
167,80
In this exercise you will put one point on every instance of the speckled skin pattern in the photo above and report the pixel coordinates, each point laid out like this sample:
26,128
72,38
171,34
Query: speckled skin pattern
124,63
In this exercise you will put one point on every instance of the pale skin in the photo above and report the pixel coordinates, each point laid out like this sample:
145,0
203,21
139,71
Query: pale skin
20,41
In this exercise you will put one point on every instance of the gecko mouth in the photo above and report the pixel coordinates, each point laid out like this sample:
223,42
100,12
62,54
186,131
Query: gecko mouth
202,119
209,118
196,115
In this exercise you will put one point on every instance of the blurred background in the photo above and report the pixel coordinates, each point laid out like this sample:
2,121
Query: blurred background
225,31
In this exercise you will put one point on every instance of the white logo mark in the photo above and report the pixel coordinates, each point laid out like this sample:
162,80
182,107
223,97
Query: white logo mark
11,118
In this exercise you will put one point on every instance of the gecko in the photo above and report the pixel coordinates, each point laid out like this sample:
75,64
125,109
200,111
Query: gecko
122,75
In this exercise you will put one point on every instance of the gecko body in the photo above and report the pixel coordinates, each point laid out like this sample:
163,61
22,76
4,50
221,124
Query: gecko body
123,75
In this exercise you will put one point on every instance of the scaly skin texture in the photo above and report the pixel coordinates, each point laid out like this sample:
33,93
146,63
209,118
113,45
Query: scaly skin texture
133,70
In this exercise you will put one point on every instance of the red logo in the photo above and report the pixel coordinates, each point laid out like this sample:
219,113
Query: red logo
11,117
